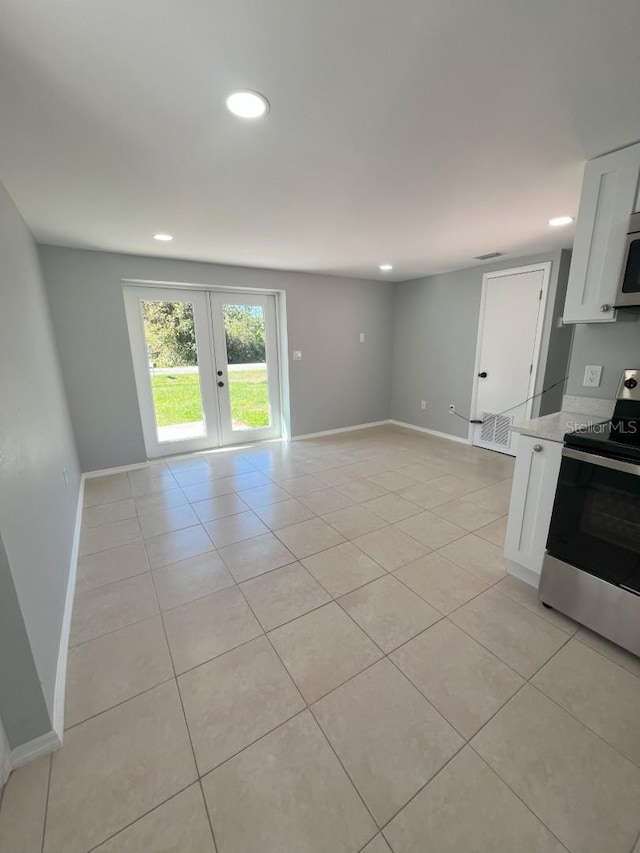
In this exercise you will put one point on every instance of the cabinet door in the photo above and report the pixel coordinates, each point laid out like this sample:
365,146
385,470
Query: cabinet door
534,488
608,197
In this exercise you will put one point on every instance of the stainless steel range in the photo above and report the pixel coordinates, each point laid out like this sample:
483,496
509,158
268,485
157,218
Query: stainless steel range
591,570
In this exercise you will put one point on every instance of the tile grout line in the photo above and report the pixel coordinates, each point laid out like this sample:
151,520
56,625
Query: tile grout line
238,584
186,723
140,817
120,703
208,814
522,686
151,571
46,804
580,722
517,796
296,560
309,708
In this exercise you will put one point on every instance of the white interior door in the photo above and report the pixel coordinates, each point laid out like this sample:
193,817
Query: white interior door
247,369
170,334
511,319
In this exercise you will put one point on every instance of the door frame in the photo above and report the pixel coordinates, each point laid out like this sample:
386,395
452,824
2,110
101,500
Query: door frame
133,286
545,268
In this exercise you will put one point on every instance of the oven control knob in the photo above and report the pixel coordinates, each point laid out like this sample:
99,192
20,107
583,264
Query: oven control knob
631,383
537,448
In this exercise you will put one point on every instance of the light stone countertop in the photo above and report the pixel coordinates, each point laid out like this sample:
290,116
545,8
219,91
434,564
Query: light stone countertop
553,427
576,413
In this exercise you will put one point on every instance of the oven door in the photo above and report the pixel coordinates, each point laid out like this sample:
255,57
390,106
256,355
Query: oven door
595,524
629,284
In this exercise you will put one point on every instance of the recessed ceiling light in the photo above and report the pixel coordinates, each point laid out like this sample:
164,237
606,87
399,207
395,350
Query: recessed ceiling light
559,221
164,238
386,267
247,104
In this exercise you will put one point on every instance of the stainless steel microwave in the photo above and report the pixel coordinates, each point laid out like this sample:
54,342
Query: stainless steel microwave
629,284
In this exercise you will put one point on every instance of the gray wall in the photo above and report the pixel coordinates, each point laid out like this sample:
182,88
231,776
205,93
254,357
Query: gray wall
435,334
615,346
37,510
559,341
339,382
23,708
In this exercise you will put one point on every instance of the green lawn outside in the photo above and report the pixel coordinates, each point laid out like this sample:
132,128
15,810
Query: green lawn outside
177,398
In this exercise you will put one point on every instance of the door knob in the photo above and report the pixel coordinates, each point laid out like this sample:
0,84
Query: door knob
220,384
537,448
483,375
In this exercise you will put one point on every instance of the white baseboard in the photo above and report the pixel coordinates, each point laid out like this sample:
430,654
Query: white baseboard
523,574
52,740
104,472
35,748
435,432
63,651
340,429
5,757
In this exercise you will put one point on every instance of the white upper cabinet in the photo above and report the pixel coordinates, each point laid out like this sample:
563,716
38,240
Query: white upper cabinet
609,197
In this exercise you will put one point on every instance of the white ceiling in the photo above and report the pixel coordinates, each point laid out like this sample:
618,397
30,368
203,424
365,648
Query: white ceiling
415,132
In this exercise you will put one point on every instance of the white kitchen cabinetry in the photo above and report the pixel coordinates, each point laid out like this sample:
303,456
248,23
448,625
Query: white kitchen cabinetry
532,495
609,197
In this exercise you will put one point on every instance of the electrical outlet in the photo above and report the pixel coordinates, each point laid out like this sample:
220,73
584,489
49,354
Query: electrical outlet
423,404
452,409
361,337
592,374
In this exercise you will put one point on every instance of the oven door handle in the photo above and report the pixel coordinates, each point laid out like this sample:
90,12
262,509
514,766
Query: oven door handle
602,461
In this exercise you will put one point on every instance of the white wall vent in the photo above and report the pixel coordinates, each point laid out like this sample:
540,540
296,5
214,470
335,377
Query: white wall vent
495,429
489,256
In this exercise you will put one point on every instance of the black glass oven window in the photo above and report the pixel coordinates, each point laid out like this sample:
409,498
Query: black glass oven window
631,283
595,524
613,517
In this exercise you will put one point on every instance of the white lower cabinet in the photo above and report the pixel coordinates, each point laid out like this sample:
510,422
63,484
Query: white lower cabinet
533,492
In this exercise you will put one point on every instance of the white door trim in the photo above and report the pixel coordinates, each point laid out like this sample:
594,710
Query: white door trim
545,268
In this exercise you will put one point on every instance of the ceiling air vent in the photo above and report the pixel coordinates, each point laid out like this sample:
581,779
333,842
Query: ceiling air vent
489,256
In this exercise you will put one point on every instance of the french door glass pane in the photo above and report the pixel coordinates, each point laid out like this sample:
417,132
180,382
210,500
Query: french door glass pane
244,329
173,367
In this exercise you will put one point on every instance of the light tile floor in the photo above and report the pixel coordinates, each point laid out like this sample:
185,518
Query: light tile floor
315,647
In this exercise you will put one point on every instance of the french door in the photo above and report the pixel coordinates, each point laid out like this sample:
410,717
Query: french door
206,367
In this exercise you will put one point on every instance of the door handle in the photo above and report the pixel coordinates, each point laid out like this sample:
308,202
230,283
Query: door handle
220,384
483,375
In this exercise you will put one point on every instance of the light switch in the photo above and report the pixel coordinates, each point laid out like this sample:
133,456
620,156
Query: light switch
297,355
592,374
361,337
